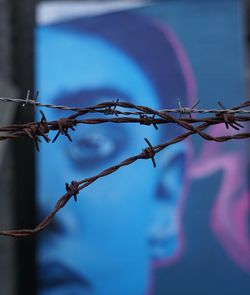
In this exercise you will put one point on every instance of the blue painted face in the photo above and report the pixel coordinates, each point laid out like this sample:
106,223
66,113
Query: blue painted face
103,244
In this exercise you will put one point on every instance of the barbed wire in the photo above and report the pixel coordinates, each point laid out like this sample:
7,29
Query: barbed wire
180,109
145,116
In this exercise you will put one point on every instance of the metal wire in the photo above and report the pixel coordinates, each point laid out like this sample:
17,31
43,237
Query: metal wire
145,116
180,109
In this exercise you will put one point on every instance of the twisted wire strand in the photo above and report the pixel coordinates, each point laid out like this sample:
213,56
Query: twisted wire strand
88,181
181,110
16,131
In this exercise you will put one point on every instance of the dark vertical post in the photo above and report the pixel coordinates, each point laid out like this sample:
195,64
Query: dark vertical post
7,261
23,19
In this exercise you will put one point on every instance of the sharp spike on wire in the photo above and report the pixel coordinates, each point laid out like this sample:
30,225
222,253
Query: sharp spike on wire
27,99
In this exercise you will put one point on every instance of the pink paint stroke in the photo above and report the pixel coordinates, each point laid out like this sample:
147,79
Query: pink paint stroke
229,216
191,93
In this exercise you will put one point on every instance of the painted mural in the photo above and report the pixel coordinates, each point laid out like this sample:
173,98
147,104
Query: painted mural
182,228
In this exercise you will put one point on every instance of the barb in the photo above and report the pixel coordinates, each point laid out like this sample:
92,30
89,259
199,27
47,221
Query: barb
144,115
111,110
64,125
187,110
149,152
146,120
27,99
72,189
229,118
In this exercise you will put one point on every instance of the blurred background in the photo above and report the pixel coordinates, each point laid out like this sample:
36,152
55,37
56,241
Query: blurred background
210,251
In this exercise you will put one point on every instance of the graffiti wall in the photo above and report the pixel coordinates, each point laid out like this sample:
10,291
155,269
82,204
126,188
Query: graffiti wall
182,228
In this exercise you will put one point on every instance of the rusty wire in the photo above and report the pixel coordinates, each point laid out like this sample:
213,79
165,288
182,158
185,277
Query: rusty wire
143,115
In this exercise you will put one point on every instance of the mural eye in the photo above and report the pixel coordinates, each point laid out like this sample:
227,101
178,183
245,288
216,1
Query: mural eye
92,149
94,145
